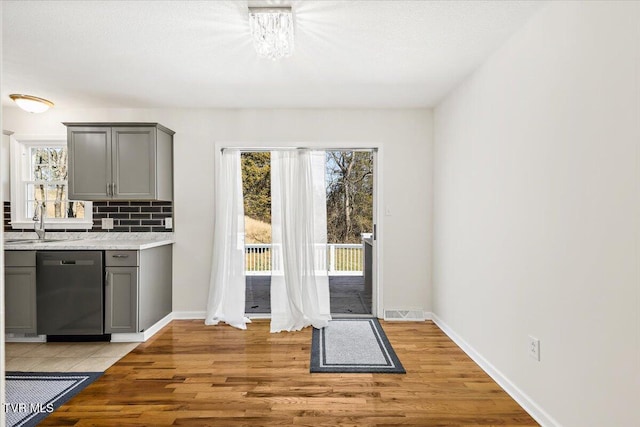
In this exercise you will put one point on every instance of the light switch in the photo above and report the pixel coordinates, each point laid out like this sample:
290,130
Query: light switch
107,223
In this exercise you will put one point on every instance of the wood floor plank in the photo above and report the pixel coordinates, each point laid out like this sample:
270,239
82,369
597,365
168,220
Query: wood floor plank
190,374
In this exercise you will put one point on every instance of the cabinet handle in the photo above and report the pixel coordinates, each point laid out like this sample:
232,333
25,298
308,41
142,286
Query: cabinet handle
120,256
113,189
106,279
108,188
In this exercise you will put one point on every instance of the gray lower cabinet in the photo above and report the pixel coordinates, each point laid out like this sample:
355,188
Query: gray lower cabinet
121,299
120,161
137,289
20,292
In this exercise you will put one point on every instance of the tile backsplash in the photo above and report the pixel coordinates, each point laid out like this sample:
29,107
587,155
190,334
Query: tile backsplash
7,216
128,216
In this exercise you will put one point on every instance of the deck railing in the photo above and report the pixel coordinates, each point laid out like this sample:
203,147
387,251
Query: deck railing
338,259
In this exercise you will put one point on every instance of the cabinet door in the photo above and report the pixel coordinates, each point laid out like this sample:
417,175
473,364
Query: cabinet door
20,299
90,160
134,160
121,300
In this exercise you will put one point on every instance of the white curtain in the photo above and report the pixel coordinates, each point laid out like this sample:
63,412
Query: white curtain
299,282
227,286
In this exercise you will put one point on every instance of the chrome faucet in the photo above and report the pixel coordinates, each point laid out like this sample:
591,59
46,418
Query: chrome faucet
39,228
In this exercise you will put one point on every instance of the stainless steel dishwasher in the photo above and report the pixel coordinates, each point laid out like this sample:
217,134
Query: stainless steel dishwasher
69,292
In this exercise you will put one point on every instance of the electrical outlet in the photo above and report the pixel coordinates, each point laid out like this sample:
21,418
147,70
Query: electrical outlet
107,223
168,223
534,348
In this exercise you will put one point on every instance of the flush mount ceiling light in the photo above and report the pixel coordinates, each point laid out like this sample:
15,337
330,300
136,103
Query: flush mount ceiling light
272,31
32,104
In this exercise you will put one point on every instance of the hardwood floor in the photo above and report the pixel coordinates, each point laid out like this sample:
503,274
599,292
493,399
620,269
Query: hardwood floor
190,374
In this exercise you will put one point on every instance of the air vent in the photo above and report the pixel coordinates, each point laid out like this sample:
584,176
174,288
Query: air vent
404,315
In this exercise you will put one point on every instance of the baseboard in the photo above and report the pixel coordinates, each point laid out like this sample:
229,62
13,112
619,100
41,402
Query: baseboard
256,316
189,315
528,404
197,315
145,335
22,338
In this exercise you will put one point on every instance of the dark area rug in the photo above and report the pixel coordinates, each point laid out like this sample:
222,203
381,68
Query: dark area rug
31,396
353,346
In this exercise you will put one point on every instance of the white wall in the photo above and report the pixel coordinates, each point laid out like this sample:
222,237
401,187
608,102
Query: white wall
2,197
405,138
4,167
537,212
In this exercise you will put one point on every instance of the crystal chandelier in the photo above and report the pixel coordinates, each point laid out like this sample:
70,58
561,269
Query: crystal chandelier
272,31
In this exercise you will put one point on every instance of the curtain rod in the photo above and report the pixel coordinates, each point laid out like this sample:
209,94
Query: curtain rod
266,150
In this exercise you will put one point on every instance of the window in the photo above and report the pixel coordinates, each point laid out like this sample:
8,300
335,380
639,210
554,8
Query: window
39,176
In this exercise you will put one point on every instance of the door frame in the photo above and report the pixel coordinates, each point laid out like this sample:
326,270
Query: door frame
377,306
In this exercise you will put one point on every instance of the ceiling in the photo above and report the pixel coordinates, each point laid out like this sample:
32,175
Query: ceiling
198,54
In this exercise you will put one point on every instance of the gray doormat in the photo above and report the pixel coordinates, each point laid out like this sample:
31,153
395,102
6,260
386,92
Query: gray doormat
31,396
353,346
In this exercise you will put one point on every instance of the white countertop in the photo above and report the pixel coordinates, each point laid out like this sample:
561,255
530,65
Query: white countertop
88,241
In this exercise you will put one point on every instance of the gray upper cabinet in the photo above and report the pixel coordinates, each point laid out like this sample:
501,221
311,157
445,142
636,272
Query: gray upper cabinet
89,171
128,161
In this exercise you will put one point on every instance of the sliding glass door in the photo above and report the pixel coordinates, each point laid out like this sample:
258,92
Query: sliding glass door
348,256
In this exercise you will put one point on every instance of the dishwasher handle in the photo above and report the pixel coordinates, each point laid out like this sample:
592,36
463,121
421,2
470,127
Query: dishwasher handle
56,262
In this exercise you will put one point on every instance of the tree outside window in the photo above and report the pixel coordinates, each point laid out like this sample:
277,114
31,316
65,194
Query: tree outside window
48,185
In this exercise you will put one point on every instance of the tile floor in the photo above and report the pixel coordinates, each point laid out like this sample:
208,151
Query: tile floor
64,357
